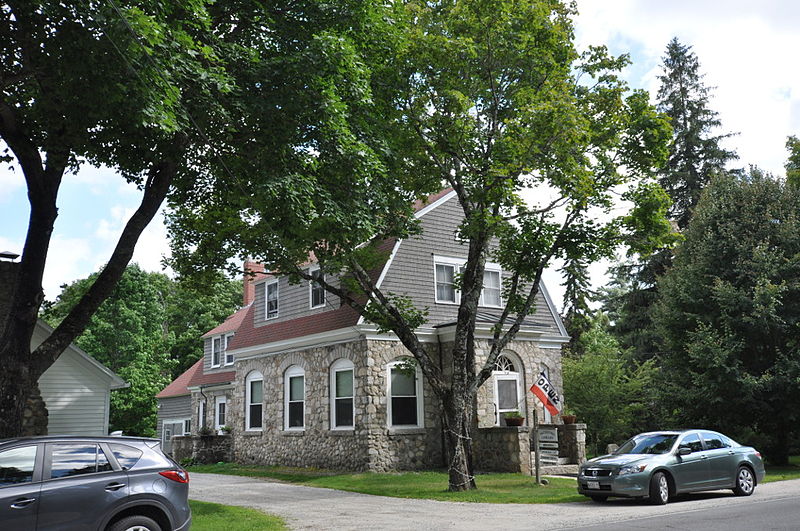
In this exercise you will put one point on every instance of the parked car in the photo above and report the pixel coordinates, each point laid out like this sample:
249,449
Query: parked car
91,483
659,465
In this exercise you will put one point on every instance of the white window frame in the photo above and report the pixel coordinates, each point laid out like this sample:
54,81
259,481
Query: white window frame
507,376
187,426
342,365
457,264
420,399
311,283
253,376
227,341
182,421
220,400
267,285
217,353
293,372
482,301
201,415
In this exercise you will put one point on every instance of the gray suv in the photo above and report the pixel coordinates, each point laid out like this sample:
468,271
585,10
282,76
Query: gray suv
91,483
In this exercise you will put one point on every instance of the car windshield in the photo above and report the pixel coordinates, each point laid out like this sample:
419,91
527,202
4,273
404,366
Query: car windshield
650,443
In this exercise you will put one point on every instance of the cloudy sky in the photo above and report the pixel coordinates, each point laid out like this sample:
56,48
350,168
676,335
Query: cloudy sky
747,50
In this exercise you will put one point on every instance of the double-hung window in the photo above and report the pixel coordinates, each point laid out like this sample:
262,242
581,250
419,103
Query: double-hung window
445,271
254,401
316,293
294,398
220,405
405,395
216,350
342,394
271,300
228,356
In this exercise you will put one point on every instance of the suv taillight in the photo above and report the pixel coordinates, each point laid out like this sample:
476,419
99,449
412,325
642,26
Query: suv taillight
179,476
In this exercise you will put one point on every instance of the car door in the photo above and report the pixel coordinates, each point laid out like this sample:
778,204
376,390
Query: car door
722,460
20,475
691,470
80,486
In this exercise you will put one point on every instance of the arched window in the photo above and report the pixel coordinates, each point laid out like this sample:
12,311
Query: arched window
508,394
405,404
254,402
294,402
342,394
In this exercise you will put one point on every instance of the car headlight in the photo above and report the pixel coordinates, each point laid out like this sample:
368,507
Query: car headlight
631,469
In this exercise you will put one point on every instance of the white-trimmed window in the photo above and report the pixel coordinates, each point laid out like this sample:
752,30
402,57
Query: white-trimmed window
254,401
405,395
271,299
216,350
316,293
187,426
445,271
220,410
490,296
342,393
201,414
294,403
507,388
228,356
219,350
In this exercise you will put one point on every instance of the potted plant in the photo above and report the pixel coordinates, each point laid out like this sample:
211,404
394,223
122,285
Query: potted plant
225,430
568,417
513,418
205,432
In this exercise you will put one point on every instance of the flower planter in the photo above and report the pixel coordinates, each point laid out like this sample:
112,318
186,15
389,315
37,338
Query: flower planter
569,419
515,421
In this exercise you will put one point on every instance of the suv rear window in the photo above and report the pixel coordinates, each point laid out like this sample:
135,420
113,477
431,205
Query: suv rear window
127,456
77,459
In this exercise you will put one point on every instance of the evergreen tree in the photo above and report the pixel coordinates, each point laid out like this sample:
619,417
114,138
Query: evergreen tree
696,155
729,312
696,152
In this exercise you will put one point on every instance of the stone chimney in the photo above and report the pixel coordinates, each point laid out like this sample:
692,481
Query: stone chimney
251,267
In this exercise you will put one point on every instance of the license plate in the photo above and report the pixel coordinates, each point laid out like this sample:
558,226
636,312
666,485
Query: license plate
593,484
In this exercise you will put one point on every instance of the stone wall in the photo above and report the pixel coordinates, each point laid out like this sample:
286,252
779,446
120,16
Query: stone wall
34,416
502,449
205,450
572,442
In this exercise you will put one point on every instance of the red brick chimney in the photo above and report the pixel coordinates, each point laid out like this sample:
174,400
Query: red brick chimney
251,267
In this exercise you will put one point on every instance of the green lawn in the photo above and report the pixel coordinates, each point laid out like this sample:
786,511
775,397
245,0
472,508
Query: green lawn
780,473
213,516
492,488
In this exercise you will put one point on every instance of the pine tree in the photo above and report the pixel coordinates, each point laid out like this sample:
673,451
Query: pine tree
696,153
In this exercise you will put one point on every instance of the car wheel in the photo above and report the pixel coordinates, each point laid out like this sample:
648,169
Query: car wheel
599,499
135,523
745,482
659,489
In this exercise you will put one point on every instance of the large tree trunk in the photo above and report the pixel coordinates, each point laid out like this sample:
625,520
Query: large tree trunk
456,419
15,388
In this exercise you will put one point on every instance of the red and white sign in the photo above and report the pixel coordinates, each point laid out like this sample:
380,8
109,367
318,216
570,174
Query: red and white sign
547,394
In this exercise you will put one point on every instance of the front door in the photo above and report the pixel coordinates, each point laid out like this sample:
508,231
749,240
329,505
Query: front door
691,470
19,487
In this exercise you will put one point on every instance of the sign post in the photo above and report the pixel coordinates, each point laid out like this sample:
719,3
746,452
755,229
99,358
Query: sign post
545,392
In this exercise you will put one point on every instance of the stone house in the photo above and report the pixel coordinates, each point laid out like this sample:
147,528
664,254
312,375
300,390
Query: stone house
303,380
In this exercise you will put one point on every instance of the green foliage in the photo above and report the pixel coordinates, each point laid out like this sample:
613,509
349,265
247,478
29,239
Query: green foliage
147,331
613,395
729,313
793,162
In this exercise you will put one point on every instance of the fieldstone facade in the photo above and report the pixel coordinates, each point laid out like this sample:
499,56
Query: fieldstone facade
372,444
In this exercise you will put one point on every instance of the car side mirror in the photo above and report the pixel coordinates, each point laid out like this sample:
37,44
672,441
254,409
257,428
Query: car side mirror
684,450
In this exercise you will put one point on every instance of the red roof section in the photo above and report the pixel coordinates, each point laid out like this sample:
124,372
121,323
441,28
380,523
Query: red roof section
179,385
231,324
201,378
249,335
420,204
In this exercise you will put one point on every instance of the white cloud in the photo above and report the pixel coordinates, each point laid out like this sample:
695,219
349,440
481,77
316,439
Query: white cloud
152,246
10,182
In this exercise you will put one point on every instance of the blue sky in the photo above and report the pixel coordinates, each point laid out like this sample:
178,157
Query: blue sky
748,51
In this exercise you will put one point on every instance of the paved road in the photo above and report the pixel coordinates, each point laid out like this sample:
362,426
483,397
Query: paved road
314,508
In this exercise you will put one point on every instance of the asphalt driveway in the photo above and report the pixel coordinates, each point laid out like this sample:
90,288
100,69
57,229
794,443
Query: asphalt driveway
315,508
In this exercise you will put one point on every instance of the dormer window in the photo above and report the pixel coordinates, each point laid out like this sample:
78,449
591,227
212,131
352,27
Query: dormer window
219,350
271,299
316,293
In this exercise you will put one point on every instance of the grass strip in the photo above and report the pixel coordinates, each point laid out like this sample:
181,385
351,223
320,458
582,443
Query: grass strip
214,516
